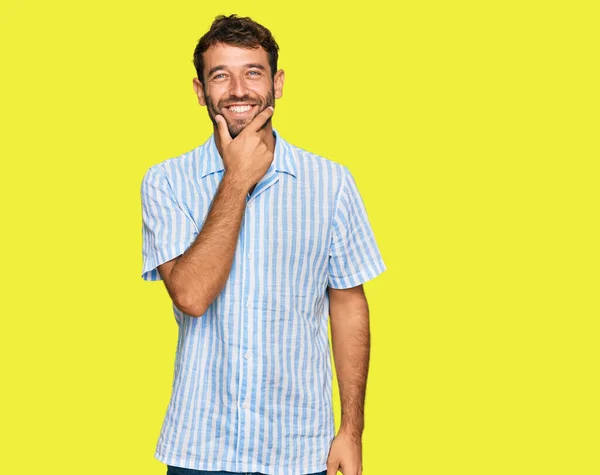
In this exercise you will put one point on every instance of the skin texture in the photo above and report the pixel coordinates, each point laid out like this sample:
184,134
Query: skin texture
350,336
241,76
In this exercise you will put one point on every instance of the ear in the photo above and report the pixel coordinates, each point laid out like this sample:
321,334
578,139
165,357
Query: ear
278,83
199,90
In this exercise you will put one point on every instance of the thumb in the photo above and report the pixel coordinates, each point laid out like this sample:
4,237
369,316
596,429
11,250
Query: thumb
223,130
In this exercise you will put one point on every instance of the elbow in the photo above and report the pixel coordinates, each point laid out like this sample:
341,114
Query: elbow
192,306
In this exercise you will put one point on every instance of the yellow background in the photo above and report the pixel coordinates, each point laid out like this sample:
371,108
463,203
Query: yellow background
472,131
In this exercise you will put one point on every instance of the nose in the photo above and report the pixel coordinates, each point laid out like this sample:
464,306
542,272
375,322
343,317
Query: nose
237,87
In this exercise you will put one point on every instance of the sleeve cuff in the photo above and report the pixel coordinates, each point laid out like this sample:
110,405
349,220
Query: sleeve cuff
363,275
160,256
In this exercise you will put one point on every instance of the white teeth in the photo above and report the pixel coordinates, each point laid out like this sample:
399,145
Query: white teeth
240,108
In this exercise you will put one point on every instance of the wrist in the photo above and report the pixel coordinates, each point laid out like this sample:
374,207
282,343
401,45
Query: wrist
351,430
235,182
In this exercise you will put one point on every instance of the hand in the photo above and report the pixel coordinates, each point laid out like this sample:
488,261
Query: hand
247,157
345,455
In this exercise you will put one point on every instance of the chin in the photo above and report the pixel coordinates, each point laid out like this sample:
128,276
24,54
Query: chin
236,129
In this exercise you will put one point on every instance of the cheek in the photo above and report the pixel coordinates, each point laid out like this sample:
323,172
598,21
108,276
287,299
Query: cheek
258,88
214,95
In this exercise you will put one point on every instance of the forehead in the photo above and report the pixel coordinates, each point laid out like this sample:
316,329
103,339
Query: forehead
233,56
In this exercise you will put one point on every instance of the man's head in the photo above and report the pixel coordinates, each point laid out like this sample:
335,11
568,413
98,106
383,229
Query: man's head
236,64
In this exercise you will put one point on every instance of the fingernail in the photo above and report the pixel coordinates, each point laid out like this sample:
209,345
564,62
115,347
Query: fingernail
272,108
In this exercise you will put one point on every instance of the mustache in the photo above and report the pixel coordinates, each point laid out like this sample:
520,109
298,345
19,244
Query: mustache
234,100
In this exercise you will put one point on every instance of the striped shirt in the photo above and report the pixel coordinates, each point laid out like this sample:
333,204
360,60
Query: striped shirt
252,383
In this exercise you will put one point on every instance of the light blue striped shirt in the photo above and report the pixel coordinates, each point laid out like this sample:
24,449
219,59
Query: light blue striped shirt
252,384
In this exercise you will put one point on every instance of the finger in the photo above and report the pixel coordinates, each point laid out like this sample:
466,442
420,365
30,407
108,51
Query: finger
223,130
260,120
332,468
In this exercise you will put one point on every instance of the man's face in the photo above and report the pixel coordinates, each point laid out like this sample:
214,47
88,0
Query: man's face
237,85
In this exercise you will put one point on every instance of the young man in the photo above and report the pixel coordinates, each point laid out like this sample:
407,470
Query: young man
258,242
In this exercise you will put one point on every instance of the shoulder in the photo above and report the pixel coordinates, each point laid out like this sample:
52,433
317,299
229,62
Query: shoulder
177,168
313,164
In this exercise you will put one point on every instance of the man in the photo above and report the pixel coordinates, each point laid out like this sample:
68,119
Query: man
258,242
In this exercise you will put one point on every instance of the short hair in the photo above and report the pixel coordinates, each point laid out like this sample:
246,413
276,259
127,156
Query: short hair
236,31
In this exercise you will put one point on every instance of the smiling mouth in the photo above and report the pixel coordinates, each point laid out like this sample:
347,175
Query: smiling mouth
240,109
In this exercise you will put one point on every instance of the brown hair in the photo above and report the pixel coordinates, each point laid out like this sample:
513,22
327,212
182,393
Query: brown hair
236,31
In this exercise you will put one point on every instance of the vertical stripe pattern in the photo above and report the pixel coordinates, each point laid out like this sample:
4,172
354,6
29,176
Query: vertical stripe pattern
252,383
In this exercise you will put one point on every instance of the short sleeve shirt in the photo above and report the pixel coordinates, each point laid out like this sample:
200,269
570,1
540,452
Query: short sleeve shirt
252,384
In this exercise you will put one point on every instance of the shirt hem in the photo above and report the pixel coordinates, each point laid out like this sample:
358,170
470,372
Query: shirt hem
175,460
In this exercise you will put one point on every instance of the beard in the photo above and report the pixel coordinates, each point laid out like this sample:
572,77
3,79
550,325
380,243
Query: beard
236,126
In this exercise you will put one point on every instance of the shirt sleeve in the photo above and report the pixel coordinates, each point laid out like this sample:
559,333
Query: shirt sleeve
167,231
354,257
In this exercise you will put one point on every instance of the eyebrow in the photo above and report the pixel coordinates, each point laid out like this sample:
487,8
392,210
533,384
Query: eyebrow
256,65
248,66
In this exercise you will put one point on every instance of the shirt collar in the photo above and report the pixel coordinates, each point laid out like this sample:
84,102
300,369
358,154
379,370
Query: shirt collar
283,159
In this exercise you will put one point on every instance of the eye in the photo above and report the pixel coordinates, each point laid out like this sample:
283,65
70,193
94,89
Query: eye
254,73
218,76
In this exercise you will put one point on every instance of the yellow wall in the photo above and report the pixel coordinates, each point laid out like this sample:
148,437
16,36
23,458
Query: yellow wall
472,131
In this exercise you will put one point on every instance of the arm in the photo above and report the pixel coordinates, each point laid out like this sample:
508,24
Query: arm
350,336
195,278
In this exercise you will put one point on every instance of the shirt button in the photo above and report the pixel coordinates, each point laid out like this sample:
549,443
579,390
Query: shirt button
249,257
246,405
247,355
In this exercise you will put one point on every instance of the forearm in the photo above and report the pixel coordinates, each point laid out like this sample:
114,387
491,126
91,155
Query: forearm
200,273
351,350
